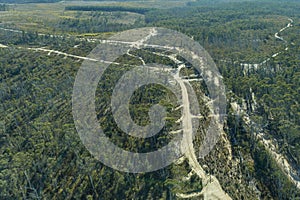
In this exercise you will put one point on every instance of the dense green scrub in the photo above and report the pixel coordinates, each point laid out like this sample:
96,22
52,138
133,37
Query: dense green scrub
41,155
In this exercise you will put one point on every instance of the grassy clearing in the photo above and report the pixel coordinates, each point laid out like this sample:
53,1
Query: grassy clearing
44,17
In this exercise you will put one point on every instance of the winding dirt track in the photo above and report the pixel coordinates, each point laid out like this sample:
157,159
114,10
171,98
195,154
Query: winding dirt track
212,189
249,66
269,144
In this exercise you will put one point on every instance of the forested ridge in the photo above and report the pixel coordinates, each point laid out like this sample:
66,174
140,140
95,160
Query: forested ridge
42,156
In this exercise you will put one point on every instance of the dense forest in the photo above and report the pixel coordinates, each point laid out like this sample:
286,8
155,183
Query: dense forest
41,154
109,9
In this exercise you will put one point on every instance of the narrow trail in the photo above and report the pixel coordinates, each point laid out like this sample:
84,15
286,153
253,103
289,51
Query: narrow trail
255,66
269,144
250,66
134,56
283,29
50,51
212,188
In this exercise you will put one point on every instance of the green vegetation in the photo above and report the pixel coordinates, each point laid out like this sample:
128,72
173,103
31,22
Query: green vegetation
109,9
41,155
3,7
28,1
95,22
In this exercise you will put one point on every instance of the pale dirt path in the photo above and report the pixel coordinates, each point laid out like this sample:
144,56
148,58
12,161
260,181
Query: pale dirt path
134,56
50,51
3,46
255,66
212,188
283,29
269,144
187,127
